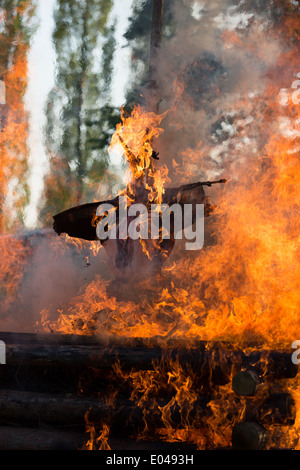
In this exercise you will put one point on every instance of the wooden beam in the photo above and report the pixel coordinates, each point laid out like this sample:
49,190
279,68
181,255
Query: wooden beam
211,359
66,411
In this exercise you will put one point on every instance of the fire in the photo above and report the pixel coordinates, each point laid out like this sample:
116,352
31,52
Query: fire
97,441
248,286
245,292
13,143
134,136
15,255
242,289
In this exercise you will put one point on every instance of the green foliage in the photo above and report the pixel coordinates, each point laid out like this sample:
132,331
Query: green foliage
80,118
138,36
16,30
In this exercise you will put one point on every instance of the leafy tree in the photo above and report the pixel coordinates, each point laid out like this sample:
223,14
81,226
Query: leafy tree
80,118
202,72
17,26
138,36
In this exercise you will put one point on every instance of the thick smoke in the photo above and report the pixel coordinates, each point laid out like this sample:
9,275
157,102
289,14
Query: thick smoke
209,73
44,272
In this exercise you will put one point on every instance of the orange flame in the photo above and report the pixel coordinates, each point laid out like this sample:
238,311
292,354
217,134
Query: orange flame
13,142
244,290
134,137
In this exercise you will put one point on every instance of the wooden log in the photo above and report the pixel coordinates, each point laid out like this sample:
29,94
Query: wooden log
249,436
143,358
277,409
245,382
69,409
18,438
123,417
77,356
45,409
43,338
207,366
210,362
15,337
54,368
71,412
272,364
14,438
147,445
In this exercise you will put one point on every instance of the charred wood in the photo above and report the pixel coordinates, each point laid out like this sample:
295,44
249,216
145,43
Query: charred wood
19,438
70,412
216,363
14,438
249,436
274,364
124,417
275,409
245,382
278,409
56,411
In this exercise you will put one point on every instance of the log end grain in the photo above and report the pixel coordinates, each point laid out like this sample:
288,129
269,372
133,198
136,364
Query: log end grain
245,382
248,436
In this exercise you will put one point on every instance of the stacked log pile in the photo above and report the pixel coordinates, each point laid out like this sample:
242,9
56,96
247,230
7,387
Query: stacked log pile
54,388
269,408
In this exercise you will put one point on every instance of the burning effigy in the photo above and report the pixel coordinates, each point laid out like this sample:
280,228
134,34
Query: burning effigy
147,188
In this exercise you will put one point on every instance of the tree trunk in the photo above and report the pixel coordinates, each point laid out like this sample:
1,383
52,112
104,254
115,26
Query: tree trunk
155,43
80,88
